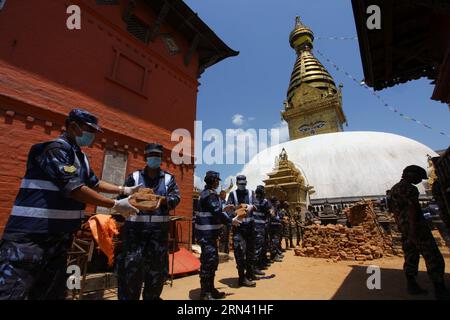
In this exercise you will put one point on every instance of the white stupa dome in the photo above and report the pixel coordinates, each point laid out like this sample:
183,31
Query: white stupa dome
344,164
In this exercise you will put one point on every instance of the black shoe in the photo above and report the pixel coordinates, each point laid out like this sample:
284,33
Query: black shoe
207,296
259,272
414,288
216,294
246,283
277,259
441,292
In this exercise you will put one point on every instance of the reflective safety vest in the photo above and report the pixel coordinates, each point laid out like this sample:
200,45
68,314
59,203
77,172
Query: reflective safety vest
249,218
40,206
158,215
207,225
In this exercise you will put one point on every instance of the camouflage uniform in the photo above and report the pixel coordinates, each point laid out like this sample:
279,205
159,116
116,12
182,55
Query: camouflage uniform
403,196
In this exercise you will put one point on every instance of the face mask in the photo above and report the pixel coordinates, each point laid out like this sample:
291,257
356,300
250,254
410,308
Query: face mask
86,139
241,186
153,162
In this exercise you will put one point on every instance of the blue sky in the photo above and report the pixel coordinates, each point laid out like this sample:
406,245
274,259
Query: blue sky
254,83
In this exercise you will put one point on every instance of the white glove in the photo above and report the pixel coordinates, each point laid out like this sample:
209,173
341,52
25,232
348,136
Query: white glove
128,191
236,222
124,207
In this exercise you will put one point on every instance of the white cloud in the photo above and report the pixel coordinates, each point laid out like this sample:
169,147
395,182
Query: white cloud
238,120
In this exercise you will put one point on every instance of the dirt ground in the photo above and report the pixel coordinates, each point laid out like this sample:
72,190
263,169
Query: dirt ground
299,278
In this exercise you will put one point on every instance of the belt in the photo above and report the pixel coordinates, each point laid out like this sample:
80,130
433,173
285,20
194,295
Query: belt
148,218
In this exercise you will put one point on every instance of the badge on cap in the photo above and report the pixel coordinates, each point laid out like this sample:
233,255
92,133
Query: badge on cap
69,169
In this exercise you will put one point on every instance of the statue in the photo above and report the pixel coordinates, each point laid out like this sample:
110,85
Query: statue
283,155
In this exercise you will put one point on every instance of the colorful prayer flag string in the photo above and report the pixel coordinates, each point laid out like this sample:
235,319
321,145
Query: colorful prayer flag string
336,38
362,84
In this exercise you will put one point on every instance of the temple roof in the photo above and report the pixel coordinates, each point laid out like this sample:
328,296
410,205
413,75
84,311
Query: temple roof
411,43
210,47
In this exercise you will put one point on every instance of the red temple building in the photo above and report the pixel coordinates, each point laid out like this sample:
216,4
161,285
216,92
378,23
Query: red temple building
134,64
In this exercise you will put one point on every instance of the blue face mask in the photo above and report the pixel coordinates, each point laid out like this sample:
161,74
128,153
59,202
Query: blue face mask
153,162
86,139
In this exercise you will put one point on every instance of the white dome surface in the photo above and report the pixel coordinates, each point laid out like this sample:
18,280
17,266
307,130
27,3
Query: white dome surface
344,164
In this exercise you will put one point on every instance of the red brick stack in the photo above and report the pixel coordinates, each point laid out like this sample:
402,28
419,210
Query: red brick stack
364,241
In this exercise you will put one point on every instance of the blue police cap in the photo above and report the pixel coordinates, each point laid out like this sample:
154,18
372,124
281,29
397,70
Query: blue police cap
241,179
259,189
153,147
84,117
213,174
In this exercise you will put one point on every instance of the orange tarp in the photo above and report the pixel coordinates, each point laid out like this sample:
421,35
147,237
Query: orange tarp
104,228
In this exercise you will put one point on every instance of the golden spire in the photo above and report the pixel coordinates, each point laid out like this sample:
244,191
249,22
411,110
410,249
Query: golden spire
307,68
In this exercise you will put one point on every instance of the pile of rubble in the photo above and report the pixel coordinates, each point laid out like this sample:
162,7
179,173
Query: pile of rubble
365,240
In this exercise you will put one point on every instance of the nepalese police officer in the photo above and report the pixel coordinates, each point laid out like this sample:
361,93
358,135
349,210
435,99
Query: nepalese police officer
275,230
244,234
260,215
209,220
144,257
58,184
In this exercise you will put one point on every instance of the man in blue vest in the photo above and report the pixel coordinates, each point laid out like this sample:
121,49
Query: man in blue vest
244,234
58,184
260,215
209,220
145,255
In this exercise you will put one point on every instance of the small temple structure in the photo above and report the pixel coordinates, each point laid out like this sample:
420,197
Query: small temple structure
287,180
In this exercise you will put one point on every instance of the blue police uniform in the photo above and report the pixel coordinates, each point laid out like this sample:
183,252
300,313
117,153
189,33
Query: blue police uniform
145,257
244,235
209,221
260,215
33,252
225,234
275,231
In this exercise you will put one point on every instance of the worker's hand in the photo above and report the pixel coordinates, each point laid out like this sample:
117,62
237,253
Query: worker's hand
128,191
236,222
124,207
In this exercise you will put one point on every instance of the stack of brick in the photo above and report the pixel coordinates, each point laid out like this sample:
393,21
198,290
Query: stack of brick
364,241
